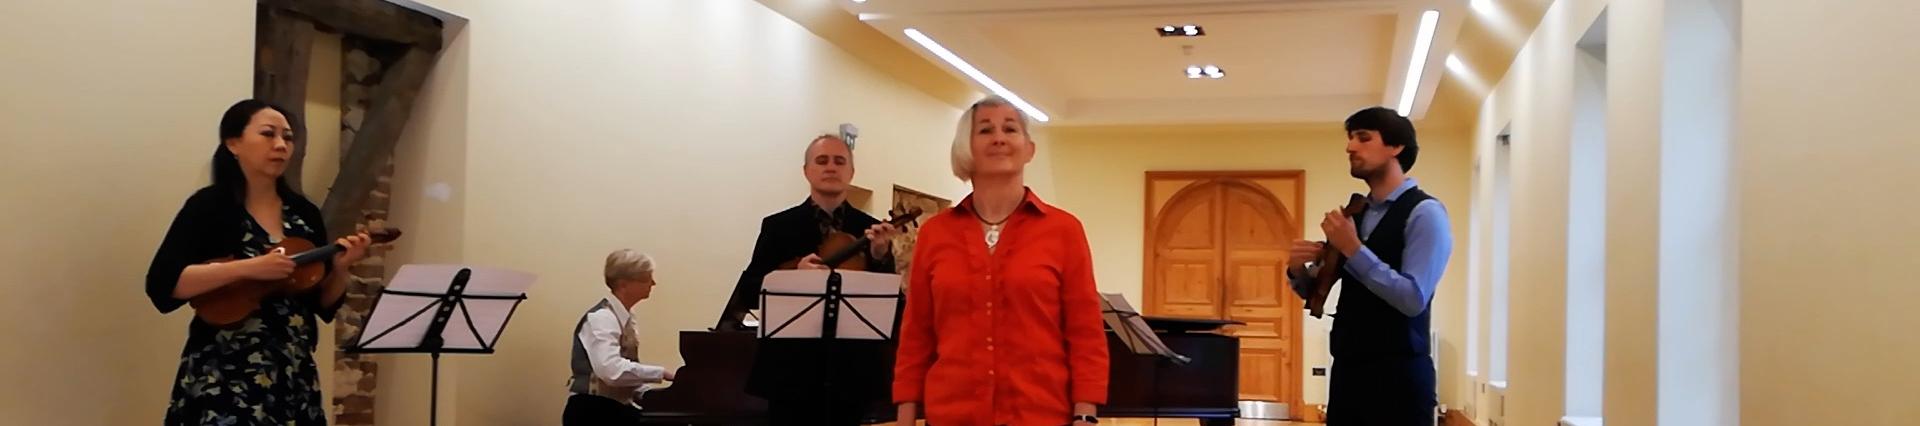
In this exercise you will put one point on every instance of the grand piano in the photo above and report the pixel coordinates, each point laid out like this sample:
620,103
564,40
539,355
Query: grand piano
711,388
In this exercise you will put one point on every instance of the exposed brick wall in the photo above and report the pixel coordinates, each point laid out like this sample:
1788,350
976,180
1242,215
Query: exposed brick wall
355,376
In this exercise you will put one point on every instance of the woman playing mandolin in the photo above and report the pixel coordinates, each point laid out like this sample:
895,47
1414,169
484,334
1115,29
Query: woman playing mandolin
260,369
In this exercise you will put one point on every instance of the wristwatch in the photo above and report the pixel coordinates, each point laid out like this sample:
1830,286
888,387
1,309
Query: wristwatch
1087,418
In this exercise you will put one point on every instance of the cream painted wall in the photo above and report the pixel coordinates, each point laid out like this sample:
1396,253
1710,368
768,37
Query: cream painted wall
323,117
1100,173
1821,86
1668,351
107,123
429,203
563,132
1535,99
323,161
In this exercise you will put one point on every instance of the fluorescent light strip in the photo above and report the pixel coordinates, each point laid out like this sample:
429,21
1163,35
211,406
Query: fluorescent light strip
1422,42
975,74
1482,6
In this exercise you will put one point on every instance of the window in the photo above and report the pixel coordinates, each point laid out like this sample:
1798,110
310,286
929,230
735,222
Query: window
1586,227
1502,223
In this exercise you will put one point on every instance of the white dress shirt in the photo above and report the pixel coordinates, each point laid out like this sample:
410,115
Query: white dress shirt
600,336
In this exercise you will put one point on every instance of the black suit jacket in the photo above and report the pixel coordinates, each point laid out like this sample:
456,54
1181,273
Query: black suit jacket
792,234
797,369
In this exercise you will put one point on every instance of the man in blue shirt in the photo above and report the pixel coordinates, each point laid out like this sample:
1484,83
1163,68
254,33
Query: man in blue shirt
1382,371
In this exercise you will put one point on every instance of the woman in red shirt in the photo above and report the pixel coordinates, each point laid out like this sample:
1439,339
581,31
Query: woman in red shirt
1002,324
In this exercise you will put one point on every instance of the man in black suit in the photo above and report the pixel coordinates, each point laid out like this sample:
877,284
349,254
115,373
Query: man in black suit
816,382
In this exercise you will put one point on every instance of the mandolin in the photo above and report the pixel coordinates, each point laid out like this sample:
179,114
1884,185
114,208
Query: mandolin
1331,261
839,249
232,303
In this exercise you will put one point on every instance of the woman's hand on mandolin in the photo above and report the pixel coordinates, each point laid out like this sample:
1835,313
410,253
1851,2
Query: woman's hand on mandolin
812,261
271,266
356,249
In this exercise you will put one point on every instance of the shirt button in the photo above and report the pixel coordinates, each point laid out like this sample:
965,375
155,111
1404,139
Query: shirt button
989,305
989,372
989,348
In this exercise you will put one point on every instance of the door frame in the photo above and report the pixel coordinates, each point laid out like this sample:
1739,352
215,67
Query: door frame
1151,287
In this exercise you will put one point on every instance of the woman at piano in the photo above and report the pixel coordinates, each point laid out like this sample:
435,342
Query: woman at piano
1002,323
261,370
607,375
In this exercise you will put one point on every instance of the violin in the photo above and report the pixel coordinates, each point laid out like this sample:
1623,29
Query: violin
1331,261
839,249
230,304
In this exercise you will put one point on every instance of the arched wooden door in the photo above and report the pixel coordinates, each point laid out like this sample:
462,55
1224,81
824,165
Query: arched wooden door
1216,248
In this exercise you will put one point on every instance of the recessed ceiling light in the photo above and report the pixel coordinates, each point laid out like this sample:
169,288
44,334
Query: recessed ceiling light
1187,30
1422,43
1453,63
1482,6
975,74
1209,71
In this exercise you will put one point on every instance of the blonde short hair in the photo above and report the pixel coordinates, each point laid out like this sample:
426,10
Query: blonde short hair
963,140
627,264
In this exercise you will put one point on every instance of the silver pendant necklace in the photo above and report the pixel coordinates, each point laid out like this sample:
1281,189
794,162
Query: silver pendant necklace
993,236
993,230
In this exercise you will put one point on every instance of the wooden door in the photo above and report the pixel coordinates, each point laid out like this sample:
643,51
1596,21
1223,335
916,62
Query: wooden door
1217,246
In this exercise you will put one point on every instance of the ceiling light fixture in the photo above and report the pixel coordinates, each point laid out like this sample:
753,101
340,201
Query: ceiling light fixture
975,74
1181,31
1482,6
1209,71
1422,43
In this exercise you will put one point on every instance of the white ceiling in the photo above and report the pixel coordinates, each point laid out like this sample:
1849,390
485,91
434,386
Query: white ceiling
1100,62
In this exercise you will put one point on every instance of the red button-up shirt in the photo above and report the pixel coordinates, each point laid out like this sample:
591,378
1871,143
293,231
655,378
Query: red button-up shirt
1010,337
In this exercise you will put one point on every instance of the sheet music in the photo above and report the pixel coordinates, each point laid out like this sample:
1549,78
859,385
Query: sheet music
879,311
489,316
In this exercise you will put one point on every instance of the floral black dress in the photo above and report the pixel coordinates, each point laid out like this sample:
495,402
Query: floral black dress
262,371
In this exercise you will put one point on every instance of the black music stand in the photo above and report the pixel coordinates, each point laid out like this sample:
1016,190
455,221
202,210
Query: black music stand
482,299
789,299
1134,332
807,304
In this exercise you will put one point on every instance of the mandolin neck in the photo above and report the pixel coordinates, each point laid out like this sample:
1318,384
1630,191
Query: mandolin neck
317,254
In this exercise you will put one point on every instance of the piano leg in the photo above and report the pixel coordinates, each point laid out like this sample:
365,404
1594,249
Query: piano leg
1216,422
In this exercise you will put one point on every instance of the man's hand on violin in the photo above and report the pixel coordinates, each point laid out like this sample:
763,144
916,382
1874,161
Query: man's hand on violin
1304,252
1341,234
881,238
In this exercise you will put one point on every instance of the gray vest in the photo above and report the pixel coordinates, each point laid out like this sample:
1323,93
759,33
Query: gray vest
583,380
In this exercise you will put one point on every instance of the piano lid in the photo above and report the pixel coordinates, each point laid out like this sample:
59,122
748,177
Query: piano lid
1185,325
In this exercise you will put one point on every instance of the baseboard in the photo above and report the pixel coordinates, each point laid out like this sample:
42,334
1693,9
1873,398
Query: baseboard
1457,418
